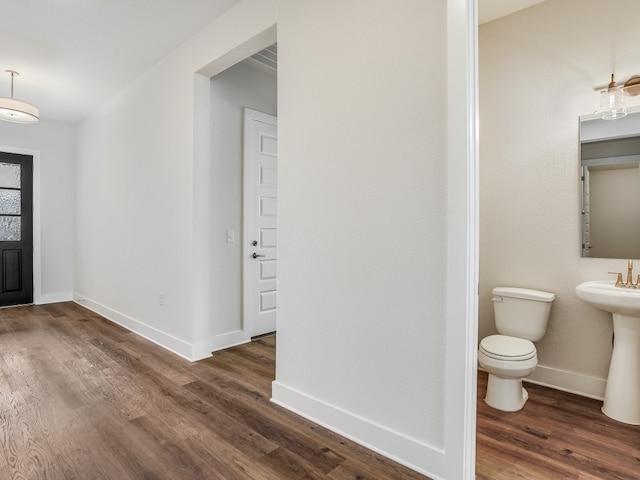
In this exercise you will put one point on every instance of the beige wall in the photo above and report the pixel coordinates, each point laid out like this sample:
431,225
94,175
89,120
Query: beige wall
538,69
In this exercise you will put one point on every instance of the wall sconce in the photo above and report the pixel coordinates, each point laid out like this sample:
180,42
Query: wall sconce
12,110
612,102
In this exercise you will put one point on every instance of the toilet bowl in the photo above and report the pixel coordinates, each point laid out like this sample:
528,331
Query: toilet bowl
521,317
507,360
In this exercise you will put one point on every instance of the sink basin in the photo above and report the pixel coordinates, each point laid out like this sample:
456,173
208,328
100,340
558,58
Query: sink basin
622,394
606,296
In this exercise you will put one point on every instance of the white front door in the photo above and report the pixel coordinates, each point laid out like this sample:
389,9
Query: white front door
260,222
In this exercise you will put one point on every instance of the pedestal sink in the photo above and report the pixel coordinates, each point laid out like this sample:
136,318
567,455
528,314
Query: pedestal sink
622,394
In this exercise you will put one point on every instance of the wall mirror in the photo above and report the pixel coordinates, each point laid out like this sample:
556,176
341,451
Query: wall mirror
610,175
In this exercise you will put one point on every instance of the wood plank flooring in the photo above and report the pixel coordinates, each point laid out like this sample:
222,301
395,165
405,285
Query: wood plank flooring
82,398
556,436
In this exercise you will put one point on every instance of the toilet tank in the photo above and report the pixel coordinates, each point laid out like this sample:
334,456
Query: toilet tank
521,312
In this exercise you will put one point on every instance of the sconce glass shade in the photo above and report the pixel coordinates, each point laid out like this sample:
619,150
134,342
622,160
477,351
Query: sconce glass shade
12,110
612,102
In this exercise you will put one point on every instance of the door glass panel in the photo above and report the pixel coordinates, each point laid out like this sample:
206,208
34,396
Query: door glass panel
9,202
9,175
9,229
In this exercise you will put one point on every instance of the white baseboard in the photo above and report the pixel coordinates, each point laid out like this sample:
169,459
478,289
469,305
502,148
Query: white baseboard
214,343
169,342
570,382
392,444
190,351
227,340
45,298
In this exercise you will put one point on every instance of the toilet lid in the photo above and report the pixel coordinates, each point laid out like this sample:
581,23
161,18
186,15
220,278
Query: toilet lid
507,348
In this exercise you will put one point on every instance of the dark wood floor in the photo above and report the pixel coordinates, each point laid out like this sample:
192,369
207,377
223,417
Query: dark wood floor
81,398
556,436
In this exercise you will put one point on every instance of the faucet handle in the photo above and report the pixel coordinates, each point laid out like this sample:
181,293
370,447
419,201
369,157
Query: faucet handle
619,281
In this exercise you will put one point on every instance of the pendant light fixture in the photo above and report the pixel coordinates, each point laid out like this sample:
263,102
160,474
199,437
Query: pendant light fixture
12,110
612,102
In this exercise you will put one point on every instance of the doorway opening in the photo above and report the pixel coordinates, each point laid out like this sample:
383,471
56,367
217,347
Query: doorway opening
243,249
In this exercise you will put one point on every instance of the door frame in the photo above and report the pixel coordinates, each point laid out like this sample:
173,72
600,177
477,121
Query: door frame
203,340
37,237
462,284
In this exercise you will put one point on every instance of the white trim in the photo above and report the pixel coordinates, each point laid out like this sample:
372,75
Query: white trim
229,339
169,342
192,352
383,440
571,382
201,250
54,298
462,240
565,381
37,231
215,343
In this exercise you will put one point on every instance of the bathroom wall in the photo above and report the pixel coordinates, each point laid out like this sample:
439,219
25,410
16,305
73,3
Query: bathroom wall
538,69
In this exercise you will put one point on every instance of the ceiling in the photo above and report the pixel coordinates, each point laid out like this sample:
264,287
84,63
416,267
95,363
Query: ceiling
73,55
268,57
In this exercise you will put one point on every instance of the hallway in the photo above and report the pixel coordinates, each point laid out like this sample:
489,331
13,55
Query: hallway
82,398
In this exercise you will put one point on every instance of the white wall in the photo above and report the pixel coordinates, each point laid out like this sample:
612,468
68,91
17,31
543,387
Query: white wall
538,71
374,281
56,146
363,223
143,223
243,85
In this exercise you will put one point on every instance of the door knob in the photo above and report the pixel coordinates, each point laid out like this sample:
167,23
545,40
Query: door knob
255,255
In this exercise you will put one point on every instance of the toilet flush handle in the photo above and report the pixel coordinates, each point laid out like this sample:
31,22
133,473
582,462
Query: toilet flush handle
496,299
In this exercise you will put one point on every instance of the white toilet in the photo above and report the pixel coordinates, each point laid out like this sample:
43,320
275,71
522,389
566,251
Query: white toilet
521,317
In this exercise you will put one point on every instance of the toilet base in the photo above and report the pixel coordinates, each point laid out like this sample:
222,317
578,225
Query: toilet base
506,394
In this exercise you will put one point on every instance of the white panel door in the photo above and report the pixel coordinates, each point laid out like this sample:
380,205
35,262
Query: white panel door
260,222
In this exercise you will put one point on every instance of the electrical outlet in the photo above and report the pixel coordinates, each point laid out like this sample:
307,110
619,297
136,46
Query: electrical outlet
160,298
231,236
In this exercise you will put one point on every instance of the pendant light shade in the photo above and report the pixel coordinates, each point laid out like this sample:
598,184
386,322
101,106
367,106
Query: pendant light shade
12,110
612,102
